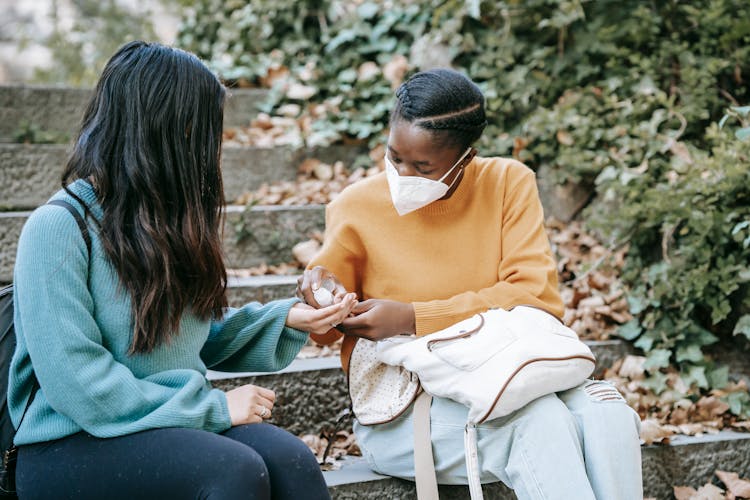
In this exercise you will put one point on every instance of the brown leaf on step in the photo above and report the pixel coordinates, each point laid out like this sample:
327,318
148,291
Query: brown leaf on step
709,492
395,69
305,251
632,367
683,492
323,171
738,487
307,167
678,416
274,74
710,406
743,425
367,71
653,432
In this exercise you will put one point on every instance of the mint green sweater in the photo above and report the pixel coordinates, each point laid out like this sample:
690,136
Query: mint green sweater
74,328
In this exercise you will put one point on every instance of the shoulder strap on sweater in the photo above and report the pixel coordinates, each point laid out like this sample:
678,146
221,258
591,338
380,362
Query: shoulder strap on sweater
79,220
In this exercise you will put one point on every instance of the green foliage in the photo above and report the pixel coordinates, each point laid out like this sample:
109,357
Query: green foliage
29,133
687,217
622,96
321,43
99,28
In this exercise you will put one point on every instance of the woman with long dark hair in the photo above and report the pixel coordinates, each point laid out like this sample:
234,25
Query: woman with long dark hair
113,346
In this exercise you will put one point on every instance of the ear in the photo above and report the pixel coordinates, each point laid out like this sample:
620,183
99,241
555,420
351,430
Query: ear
469,157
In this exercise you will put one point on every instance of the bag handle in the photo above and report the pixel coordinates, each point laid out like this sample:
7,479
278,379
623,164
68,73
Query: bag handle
79,220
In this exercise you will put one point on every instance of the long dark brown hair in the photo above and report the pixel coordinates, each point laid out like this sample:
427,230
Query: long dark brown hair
150,144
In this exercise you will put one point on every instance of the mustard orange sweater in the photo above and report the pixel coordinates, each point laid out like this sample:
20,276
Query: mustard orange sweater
484,247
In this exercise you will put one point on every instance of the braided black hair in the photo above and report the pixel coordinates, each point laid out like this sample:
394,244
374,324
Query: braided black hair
446,103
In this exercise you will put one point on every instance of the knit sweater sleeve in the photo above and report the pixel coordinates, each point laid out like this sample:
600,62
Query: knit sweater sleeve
527,274
253,338
78,376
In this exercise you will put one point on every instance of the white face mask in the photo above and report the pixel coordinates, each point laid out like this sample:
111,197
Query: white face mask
410,192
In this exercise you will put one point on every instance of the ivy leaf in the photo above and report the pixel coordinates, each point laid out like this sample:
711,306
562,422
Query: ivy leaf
367,10
742,110
689,353
697,375
637,304
743,326
742,134
348,75
340,39
630,330
718,378
658,358
644,342
738,402
657,382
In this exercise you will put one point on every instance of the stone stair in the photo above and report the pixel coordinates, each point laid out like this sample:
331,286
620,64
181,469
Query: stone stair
310,392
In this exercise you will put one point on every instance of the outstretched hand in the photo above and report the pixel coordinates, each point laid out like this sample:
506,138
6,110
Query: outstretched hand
319,321
377,319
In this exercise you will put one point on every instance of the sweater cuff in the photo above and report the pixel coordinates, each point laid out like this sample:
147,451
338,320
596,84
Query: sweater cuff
298,335
433,316
222,420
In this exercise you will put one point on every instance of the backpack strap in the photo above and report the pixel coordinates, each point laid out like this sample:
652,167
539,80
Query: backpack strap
87,239
79,220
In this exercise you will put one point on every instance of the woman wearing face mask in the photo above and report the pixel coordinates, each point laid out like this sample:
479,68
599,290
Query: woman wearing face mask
442,235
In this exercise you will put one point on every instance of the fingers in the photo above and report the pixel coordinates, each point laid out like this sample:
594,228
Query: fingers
266,394
250,404
322,320
364,306
304,289
319,287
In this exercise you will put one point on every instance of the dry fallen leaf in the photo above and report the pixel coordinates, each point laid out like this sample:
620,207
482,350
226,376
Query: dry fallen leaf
653,432
738,487
395,69
709,492
682,492
305,251
632,367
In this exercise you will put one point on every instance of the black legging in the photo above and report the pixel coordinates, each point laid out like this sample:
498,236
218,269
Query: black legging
257,461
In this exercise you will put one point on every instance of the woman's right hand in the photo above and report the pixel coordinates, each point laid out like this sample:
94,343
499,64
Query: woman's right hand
250,404
319,283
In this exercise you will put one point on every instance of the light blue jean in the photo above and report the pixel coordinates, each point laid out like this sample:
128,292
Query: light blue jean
579,444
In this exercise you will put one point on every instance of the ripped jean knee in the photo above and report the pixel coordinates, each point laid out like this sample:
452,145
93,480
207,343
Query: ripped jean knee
600,390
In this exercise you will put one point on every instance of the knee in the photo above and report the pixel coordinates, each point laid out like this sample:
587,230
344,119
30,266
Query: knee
287,448
241,471
600,402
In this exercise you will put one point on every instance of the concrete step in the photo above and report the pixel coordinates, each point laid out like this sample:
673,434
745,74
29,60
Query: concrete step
30,173
58,109
687,461
260,289
263,234
311,392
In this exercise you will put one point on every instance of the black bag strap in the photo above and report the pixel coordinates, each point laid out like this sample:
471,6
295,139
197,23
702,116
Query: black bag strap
79,220
87,239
